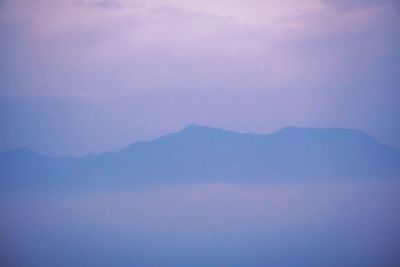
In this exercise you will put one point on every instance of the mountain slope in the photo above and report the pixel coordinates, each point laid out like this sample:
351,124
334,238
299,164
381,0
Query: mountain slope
199,153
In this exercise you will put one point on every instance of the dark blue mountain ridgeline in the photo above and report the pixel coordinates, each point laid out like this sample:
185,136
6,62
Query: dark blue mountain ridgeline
199,153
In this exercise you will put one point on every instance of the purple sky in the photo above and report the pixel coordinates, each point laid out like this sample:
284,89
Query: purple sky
84,76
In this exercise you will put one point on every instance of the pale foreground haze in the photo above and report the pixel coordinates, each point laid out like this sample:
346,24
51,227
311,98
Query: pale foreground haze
213,224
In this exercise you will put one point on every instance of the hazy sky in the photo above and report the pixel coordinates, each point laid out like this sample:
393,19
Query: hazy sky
80,76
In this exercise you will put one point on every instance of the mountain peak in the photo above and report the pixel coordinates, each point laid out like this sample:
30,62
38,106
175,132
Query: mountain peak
201,129
330,133
195,127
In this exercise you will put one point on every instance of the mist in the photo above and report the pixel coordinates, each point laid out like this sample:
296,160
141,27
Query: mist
206,224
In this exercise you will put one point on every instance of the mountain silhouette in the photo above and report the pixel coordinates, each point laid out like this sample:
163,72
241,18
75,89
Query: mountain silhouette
204,154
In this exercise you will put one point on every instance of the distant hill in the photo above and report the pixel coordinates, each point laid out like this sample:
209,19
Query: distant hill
199,153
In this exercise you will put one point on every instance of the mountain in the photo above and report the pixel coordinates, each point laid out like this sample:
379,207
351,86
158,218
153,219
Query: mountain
199,153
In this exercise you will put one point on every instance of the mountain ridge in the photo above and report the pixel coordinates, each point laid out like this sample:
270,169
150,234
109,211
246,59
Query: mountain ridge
196,128
201,153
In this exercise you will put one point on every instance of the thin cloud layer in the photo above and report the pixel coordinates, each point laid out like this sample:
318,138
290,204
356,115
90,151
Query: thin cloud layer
71,47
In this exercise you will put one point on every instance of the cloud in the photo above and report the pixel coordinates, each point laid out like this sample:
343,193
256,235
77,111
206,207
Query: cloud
107,4
154,46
